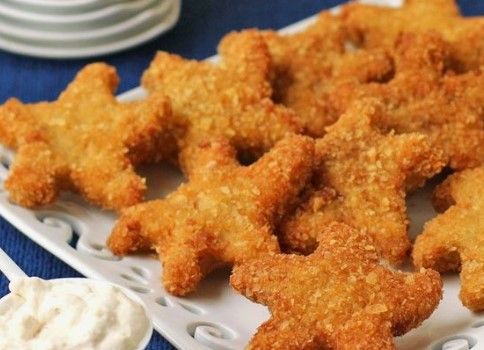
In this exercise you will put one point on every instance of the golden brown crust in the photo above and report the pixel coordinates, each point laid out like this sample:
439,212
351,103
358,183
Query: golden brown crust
85,141
377,26
362,181
230,99
224,214
339,297
307,65
454,240
422,97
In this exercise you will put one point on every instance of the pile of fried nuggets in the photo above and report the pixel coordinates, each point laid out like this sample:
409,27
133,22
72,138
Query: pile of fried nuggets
340,122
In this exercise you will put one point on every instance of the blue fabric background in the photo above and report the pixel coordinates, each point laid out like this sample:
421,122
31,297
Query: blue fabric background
202,24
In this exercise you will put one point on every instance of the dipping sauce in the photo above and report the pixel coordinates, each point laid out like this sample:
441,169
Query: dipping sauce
64,315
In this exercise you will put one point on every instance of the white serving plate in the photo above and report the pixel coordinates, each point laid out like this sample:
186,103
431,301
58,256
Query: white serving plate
96,48
215,317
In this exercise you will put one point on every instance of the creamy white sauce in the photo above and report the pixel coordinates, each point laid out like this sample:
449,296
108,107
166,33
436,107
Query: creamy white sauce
63,315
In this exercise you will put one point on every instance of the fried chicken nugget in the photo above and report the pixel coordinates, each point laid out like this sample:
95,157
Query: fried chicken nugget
230,99
307,65
377,26
362,180
341,297
85,141
421,97
454,240
224,214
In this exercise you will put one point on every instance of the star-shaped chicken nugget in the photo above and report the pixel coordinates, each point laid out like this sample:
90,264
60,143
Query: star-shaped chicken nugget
224,214
341,297
376,26
307,65
422,97
85,141
230,99
454,240
362,180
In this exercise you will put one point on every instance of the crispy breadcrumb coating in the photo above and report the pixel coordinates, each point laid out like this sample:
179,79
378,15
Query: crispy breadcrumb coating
377,26
421,97
362,180
224,214
307,65
85,141
230,99
341,297
454,240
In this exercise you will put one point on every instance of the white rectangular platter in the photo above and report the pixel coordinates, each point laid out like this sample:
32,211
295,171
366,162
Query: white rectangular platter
214,317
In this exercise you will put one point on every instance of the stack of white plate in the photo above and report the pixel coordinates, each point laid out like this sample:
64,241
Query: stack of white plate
82,28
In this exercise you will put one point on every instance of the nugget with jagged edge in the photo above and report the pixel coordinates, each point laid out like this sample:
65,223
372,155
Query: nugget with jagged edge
224,214
308,64
341,297
231,98
85,141
376,26
423,97
454,240
362,179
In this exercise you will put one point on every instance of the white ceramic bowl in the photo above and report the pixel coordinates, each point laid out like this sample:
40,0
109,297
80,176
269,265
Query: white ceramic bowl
63,6
110,29
137,23
131,295
82,20
67,4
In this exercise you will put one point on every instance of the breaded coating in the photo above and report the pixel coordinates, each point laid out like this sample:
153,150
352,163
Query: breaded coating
341,297
230,99
454,240
307,65
224,214
422,97
377,26
362,180
85,141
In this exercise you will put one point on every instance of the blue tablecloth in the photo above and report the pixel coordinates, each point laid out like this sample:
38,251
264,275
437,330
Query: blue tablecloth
196,35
